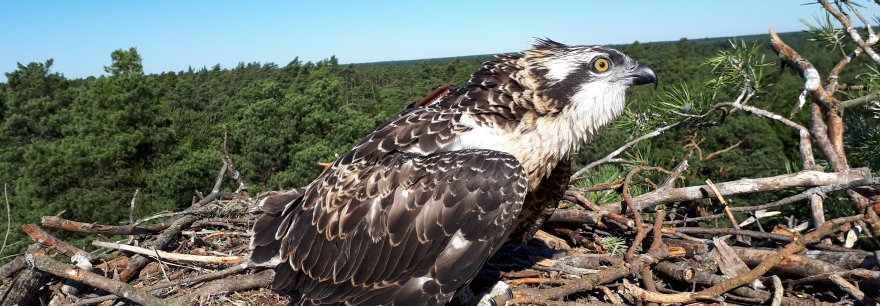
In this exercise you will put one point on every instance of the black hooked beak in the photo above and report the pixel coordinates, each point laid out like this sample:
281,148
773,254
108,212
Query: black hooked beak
641,75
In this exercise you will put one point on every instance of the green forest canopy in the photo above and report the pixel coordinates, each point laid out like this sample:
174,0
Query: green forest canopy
84,145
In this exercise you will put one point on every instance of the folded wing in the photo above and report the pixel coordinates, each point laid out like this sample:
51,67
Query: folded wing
405,229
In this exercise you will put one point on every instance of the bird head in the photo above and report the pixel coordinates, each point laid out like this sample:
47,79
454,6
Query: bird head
572,91
566,75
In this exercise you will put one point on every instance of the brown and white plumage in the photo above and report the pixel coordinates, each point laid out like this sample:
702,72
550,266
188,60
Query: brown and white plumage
412,212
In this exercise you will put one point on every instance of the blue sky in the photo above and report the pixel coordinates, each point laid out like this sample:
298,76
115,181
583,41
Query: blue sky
174,35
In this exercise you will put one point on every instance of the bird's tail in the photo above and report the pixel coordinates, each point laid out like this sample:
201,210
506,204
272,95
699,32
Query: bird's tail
264,246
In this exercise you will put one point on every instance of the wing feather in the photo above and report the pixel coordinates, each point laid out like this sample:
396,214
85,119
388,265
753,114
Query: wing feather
388,227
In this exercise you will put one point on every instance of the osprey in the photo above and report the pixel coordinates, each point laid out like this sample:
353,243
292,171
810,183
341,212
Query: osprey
413,211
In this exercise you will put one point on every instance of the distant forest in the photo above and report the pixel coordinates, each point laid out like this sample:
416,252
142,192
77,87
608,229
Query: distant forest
85,145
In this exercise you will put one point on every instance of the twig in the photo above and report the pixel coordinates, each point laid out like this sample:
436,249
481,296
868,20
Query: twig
236,176
217,184
799,265
808,72
819,130
629,144
8,220
657,231
600,186
131,207
777,291
669,181
586,283
805,146
159,260
167,214
817,210
534,280
591,281
611,295
592,218
853,33
871,97
217,260
727,210
688,275
637,214
728,231
138,261
854,273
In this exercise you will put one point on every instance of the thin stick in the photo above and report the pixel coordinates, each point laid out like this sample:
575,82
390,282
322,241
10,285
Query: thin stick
219,260
8,219
138,262
805,146
131,207
614,153
641,232
161,265
726,206
777,291
612,297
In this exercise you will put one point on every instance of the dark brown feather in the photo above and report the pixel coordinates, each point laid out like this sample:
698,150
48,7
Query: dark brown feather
426,201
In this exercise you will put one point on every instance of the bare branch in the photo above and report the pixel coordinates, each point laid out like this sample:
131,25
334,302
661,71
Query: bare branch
869,98
8,220
616,152
46,264
56,222
217,260
42,237
817,191
807,178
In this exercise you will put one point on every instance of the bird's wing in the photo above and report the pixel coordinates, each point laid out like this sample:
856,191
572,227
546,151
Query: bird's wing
407,226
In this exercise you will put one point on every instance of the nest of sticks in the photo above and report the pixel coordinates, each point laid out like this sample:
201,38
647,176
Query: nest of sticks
585,254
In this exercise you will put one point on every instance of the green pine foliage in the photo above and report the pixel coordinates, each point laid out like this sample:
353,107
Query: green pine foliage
84,145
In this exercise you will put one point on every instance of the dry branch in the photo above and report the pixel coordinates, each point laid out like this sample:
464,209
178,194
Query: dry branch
608,158
807,178
237,283
201,278
46,264
56,222
44,238
215,260
161,241
742,279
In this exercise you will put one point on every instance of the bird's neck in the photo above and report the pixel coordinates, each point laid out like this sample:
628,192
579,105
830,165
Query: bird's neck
543,129
548,134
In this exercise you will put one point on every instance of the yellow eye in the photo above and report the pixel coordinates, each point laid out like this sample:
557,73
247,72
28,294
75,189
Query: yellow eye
601,65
